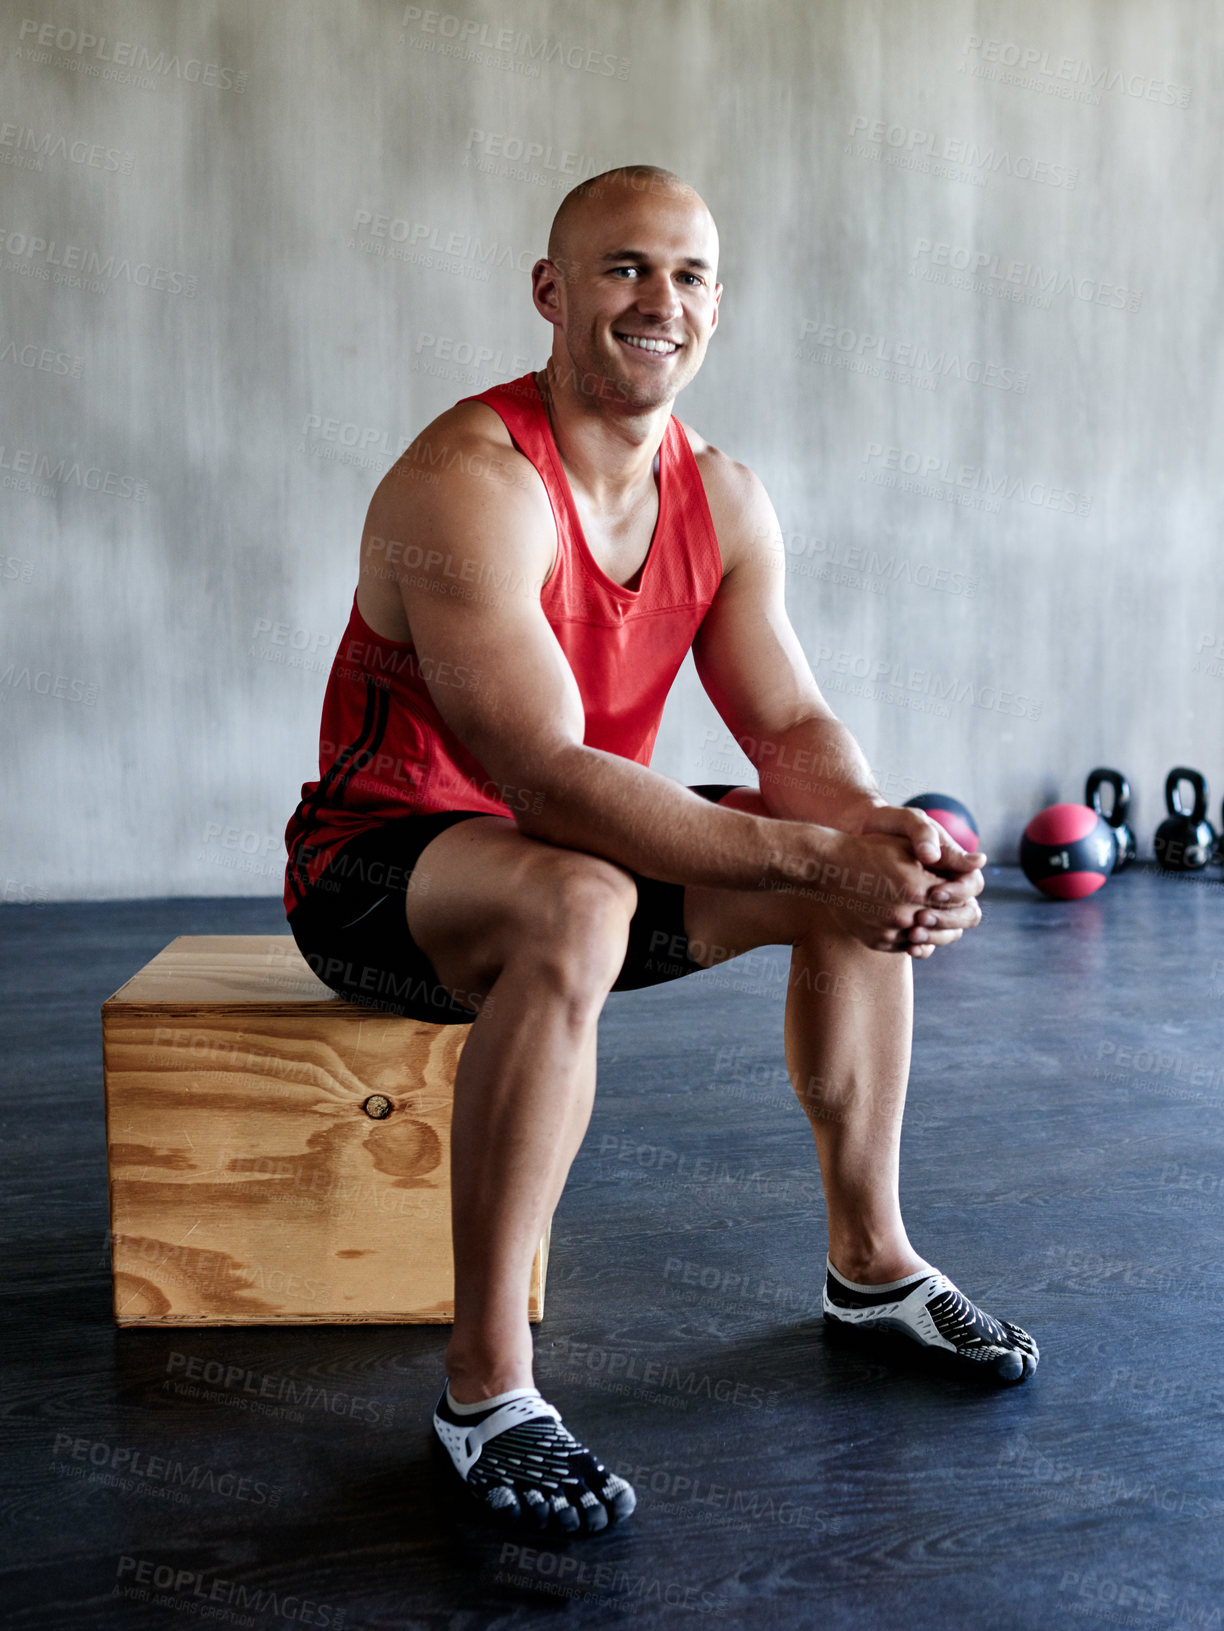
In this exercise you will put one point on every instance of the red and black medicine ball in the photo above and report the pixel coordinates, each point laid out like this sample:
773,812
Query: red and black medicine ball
1068,851
951,815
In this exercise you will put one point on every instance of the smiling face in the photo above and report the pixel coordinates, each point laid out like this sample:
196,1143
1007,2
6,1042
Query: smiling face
631,290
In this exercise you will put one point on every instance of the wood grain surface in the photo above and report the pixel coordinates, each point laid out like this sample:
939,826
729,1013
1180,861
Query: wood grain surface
248,1183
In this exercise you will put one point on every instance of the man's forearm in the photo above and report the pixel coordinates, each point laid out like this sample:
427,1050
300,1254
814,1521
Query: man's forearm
816,771
599,802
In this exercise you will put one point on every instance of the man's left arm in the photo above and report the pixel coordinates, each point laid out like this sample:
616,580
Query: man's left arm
754,670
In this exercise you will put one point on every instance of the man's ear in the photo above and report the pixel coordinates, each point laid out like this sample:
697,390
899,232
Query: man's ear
546,289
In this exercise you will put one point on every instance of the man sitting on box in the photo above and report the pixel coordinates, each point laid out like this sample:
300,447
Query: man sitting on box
487,844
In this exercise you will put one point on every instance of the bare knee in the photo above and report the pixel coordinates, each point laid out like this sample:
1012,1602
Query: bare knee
573,924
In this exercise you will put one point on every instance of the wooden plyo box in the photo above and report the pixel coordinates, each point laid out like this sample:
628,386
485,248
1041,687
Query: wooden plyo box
249,1182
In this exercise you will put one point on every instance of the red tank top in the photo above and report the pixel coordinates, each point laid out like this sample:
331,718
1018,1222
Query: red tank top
384,749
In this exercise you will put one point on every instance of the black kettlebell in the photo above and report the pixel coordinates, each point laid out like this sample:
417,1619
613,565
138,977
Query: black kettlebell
1185,839
1117,813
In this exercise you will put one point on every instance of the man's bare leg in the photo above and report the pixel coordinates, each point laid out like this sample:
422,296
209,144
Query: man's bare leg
849,1022
523,1096
542,931
849,1018
848,1031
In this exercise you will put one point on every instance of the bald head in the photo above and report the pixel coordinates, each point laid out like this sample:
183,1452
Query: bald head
632,256
584,204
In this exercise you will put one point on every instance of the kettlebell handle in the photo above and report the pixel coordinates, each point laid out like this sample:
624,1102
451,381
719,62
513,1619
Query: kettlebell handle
1102,777
1173,798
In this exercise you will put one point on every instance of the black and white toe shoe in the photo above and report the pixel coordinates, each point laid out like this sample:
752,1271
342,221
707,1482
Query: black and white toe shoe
519,1463
928,1309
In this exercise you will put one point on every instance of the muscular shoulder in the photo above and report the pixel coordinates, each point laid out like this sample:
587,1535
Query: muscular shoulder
464,455
462,476
739,505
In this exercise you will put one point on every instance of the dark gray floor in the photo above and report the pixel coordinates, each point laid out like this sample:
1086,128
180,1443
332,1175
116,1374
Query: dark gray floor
1063,1161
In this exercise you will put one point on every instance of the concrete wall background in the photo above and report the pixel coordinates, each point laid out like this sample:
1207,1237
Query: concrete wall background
208,358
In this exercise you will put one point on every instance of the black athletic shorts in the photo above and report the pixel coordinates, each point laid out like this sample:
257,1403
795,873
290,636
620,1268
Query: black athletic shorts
352,926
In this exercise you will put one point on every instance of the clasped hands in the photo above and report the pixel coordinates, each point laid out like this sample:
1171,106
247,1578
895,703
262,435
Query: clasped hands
928,885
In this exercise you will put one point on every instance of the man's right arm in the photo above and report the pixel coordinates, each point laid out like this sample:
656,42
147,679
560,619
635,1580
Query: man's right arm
485,541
